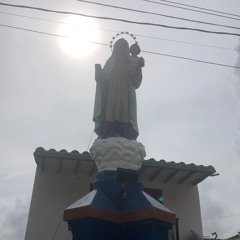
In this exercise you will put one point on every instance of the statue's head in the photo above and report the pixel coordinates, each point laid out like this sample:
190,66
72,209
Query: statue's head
135,49
120,48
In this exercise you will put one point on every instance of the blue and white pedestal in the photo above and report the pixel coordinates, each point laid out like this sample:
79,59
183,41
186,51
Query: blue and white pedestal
118,208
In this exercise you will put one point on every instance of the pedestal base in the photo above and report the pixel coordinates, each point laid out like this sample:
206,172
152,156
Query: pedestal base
96,229
118,206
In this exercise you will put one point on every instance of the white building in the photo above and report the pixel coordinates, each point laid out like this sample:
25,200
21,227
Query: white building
62,178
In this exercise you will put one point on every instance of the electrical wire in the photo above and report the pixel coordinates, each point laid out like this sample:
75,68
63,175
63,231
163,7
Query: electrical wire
69,199
114,31
218,15
30,17
227,216
191,59
158,14
90,141
49,34
30,30
191,43
105,44
201,8
121,20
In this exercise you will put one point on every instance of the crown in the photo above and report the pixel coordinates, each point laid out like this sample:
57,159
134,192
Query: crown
120,34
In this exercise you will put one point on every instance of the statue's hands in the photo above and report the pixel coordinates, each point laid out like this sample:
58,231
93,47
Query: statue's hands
98,72
98,66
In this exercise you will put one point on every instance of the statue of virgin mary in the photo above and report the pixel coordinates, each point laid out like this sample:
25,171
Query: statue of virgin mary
115,108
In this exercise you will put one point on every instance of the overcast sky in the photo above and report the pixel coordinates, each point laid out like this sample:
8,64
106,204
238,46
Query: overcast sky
187,111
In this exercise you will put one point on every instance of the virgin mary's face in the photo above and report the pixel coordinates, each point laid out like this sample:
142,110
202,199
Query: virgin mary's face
121,48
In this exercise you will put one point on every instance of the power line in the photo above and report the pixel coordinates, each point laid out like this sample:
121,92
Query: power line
218,15
69,199
201,8
191,59
191,43
158,14
122,20
90,141
105,44
44,33
232,215
107,30
30,30
24,16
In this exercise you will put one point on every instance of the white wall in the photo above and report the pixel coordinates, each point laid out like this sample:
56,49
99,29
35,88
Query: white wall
51,194
183,200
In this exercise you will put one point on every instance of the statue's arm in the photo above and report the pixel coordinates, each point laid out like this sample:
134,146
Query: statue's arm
136,74
99,74
102,75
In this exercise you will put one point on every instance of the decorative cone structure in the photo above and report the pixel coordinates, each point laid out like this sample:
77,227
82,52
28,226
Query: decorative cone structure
118,208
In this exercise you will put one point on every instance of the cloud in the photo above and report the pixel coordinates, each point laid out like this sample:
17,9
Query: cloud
236,91
219,205
210,219
13,220
213,208
237,64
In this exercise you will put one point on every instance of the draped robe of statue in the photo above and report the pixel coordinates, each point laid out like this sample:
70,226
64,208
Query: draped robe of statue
115,109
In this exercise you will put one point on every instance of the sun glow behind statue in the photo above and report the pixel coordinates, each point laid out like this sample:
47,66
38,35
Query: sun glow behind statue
78,36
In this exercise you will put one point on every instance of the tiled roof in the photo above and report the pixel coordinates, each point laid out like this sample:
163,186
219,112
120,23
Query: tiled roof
151,170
